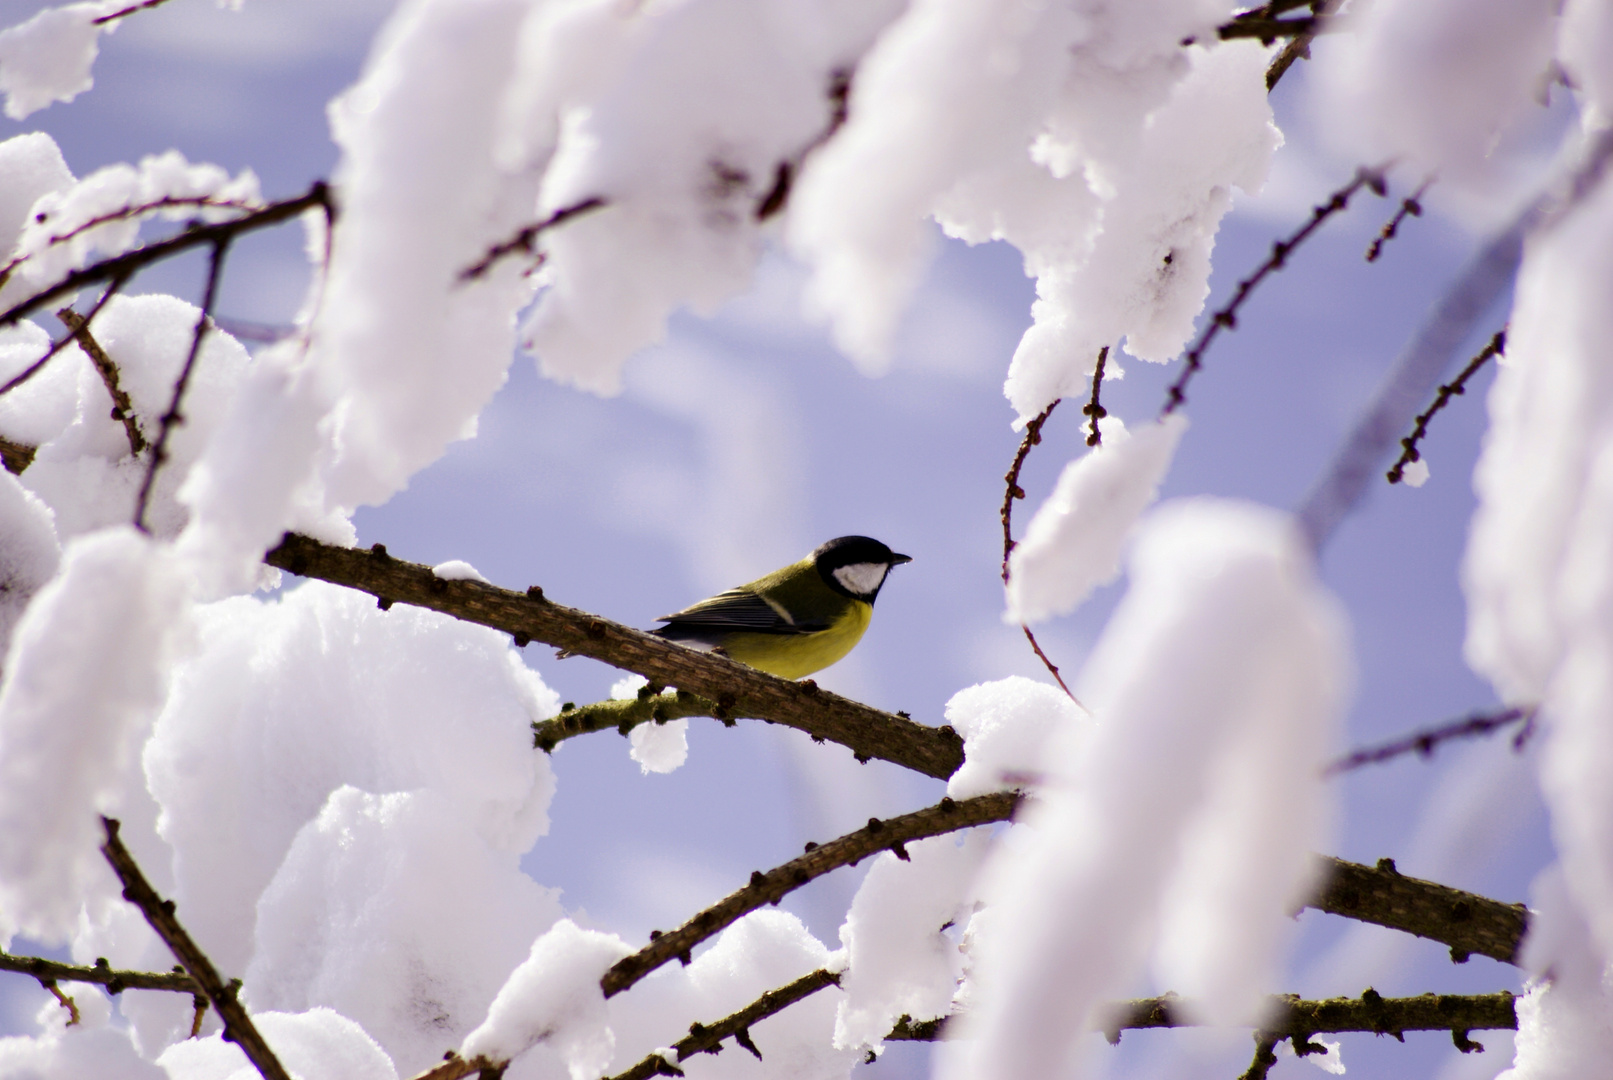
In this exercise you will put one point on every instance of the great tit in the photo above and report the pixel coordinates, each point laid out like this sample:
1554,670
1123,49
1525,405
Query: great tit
796,620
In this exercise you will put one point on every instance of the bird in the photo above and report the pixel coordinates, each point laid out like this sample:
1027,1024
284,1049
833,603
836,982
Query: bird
796,620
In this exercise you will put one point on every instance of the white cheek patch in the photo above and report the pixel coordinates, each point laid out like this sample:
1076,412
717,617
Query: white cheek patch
862,578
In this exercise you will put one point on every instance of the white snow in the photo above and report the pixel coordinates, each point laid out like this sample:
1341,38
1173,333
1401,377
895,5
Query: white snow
1180,829
318,1044
48,58
1074,543
1005,727
457,570
554,997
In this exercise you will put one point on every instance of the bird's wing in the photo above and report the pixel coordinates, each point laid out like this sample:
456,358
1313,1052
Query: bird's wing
738,609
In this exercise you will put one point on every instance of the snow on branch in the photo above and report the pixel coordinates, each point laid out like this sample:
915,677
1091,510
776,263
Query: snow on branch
159,913
739,691
120,267
948,815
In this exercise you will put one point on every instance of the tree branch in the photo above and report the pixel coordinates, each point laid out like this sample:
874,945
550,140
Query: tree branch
100,974
57,346
1423,742
1227,316
1466,922
159,913
1410,206
1033,436
946,816
739,691
707,1038
522,241
1458,385
1290,1017
122,406
125,265
173,417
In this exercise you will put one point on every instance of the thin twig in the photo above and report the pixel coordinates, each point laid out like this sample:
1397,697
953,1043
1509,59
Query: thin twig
1424,742
523,240
159,913
172,418
947,816
1482,282
1408,446
1227,316
708,1038
66,1002
1410,206
1299,48
122,406
130,10
123,266
1290,1017
1269,31
100,974
784,174
738,691
1033,436
57,346
167,202
1093,410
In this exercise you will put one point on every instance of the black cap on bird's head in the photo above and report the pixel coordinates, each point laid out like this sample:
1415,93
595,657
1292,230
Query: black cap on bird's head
856,566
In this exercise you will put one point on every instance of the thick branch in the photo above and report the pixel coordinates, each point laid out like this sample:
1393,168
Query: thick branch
1465,921
707,1038
123,266
101,975
16,456
739,691
769,888
1289,1017
159,913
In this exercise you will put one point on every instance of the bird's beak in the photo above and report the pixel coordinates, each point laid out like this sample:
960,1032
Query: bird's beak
898,560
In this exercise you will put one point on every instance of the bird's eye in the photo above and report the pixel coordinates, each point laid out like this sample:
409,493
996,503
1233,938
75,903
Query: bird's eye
861,578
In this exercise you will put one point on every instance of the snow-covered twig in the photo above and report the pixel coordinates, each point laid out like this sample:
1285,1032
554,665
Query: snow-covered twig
1424,742
159,913
123,266
739,691
707,1038
1458,385
1410,206
523,240
122,406
947,816
1227,316
1452,319
172,418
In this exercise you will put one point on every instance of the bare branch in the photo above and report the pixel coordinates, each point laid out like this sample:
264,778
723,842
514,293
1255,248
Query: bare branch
739,691
122,406
159,913
522,241
1480,285
124,266
130,10
1227,316
1264,1059
946,816
708,1038
57,346
1033,436
173,417
1424,742
1094,410
1458,385
1410,206
100,974
1466,922
1290,1017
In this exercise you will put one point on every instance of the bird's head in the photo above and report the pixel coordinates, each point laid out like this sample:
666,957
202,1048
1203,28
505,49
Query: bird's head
856,566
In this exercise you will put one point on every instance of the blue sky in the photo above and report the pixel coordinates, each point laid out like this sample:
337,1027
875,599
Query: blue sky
746,440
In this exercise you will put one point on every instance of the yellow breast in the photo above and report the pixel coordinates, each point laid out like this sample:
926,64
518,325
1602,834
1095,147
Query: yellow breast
790,656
